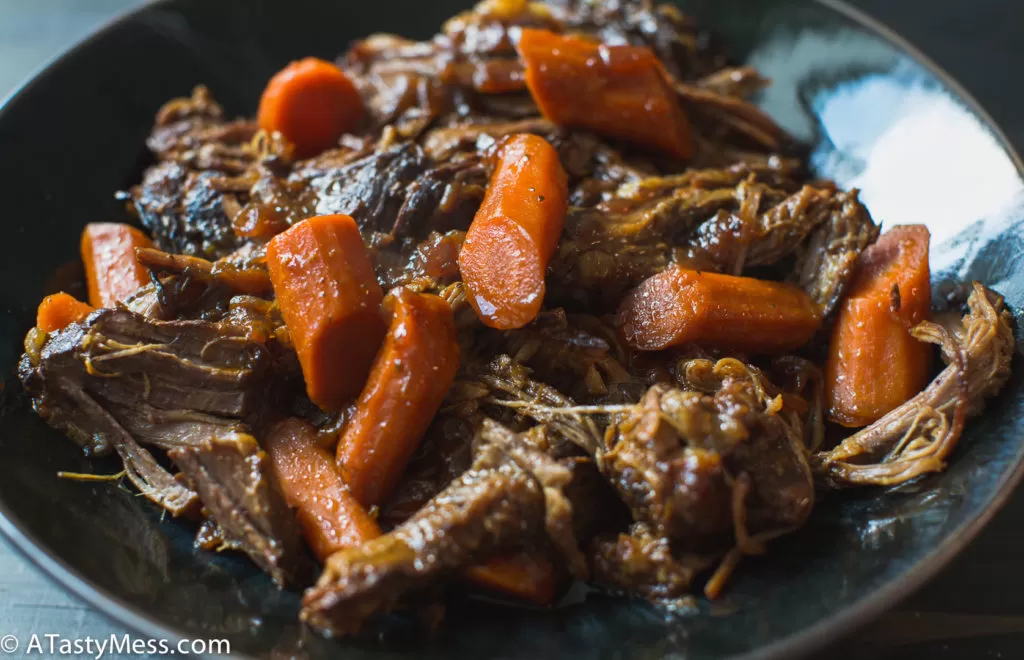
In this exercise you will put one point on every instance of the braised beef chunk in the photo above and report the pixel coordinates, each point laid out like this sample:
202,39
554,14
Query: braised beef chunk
577,355
827,260
445,142
230,474
686,51
155,372
183,200
78,415
399,81
371,189
496,504
193,388
724,119
119,380
678,489
644,563
559,448
186,212
729,220
194,131
411,85
677,458
513,495
431,264
397,191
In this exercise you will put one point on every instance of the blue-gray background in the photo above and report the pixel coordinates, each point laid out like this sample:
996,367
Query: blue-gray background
974,610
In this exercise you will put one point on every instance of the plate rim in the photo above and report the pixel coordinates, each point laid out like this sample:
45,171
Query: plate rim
800,643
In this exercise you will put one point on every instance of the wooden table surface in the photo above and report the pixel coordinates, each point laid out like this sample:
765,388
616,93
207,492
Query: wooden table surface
973,610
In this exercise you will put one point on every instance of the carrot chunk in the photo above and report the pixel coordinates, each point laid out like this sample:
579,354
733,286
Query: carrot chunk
618,91
311,103
111,271
679,305
308,477
529,576
60,310
515,232
330,301
874,364
410,378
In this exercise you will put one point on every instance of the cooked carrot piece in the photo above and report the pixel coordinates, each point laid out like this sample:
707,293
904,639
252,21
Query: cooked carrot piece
308,477
529,576
515,232
679,306
60,310
330,301
111,271
311,103
618,91
410,378
874,364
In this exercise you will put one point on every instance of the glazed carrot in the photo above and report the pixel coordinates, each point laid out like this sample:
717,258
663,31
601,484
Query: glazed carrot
410,377
111,271
330,301
529,576
515,232
311,103
874,364
308,477
618,91
60,310
679,306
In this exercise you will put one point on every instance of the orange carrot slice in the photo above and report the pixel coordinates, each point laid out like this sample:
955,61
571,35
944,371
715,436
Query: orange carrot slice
618,91
413,372
330,301
111,271
308,477
515,232
874,364
311,103
60,310
680,305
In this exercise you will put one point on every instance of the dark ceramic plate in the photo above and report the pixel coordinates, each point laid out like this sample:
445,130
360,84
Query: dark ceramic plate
870,107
